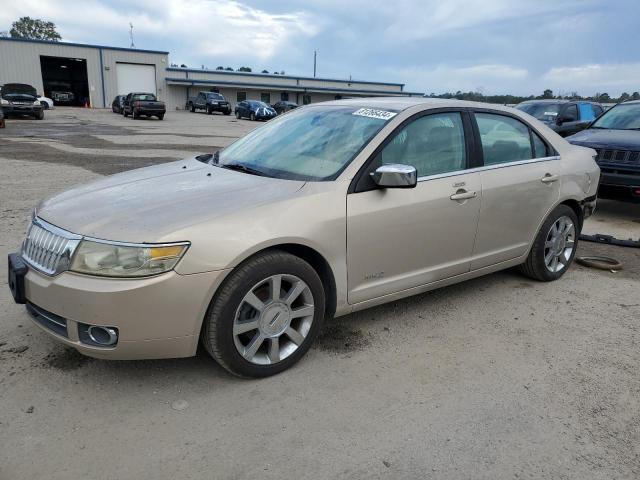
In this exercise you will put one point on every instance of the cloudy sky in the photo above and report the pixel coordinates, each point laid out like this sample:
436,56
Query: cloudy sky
492,46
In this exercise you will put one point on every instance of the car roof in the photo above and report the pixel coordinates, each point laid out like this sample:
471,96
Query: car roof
548,100
403,103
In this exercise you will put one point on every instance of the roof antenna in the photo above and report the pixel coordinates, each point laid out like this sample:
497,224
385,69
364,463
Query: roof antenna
131,35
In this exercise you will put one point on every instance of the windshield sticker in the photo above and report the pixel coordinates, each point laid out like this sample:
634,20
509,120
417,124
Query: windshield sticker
373,113
552,114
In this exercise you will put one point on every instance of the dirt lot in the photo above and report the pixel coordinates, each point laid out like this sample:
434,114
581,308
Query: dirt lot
499,377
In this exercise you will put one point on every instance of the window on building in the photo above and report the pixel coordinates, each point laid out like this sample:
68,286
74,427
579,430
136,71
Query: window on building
284,96
241,96
338,97
306,99
265,97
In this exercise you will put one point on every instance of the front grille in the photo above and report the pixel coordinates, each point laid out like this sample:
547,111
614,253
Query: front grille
48,248
618,157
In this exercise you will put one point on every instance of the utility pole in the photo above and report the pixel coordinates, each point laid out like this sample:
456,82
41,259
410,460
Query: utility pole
131,35
315,55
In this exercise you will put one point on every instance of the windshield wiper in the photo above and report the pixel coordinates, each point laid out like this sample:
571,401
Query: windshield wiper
242,168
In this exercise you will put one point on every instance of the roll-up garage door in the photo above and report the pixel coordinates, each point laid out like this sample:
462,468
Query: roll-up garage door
136,77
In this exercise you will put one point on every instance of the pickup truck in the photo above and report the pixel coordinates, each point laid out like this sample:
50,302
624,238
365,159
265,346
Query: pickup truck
210,102
143,105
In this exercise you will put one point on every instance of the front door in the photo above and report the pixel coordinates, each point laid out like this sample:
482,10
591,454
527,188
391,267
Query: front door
520,184
398,239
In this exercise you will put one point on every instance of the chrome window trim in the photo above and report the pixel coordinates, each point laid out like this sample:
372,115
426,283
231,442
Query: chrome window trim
487,167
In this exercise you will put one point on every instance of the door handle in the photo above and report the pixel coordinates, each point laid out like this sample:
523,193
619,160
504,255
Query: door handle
462,194
548,178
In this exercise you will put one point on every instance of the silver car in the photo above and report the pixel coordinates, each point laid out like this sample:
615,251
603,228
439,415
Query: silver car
329,209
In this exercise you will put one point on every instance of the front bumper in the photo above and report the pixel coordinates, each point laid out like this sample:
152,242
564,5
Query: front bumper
21,109
156,317
617,184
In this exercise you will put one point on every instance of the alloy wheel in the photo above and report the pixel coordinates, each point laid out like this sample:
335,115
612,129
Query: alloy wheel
273,319
559,244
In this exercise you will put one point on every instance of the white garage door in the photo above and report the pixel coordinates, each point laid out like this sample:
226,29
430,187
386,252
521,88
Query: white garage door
136,77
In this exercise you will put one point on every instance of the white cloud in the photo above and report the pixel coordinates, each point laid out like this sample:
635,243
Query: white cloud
481,78
202,29
595,78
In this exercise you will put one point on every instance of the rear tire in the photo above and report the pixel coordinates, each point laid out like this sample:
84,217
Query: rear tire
193,109
227,112
554,247
278,327
209,111
39,115
160,117
45,105
124,113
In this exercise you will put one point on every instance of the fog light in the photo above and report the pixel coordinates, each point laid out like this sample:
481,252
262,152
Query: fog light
97,335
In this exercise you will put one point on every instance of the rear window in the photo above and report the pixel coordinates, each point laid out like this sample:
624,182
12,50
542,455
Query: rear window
145,97
215,96
547,111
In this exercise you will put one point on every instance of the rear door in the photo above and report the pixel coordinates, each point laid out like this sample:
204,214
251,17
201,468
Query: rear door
398,239
520,180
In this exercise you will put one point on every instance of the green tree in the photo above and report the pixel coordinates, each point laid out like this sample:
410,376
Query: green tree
635,96
35,29
548,93
624,97
244,69
265,71
220,67
229,69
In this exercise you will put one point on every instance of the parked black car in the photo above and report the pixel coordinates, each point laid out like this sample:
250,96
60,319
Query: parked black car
209,102
20,99
284,106
140,104
117,104
1,119
254,110
566,117
616,138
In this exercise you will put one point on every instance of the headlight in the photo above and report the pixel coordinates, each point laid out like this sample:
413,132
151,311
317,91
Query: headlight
4,102
124,260
36,102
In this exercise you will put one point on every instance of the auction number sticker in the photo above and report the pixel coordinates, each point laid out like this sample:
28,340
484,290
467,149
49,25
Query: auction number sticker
373,113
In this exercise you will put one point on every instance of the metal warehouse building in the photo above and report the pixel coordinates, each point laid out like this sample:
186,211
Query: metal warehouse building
95,74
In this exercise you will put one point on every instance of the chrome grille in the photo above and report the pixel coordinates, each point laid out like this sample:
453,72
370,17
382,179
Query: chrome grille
48,248
618,157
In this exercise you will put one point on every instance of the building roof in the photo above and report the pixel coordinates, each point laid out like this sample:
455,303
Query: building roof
84,45
273,75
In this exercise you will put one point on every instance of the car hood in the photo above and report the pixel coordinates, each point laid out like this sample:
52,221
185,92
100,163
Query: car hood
148,204
605,138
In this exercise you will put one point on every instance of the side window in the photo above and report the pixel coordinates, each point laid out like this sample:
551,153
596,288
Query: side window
597,110
504,139
539,147
433,144
571,113
586,112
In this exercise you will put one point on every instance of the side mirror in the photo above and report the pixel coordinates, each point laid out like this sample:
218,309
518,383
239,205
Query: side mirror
395,176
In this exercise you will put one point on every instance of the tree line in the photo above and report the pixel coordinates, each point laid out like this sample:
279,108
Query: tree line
546,95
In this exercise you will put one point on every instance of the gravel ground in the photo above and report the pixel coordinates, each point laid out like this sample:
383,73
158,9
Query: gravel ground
498,377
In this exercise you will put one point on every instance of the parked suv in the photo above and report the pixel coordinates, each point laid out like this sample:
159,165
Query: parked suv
563,116
616,138
210,102
20,99
284,106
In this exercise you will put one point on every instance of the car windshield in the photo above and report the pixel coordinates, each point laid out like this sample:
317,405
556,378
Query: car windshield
312,143
624,116
547,112
145,97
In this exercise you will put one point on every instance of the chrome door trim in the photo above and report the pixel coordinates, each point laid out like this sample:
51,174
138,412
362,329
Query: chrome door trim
488,167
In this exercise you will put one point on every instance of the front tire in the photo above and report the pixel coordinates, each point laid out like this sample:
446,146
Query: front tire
39,115
253,117
554,247
193,109
227,112
238,115
265,316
